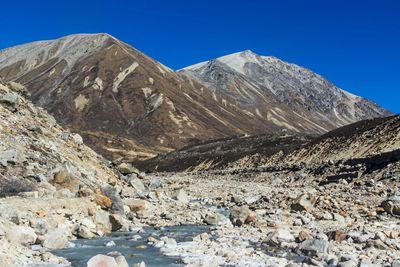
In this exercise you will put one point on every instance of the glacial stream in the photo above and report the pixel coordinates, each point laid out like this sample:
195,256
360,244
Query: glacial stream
134,245
135,250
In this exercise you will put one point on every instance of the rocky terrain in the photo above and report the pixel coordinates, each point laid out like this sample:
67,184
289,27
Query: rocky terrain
281,198
369,140
55,190
216,154
123,103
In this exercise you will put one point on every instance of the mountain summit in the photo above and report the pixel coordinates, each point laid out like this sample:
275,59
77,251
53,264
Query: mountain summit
275,89
125,103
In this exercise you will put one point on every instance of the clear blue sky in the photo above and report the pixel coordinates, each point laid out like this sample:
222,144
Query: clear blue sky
355,44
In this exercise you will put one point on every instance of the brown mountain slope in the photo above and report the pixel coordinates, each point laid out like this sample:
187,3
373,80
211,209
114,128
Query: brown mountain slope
363,139
118,98
221,152
360,140
126,104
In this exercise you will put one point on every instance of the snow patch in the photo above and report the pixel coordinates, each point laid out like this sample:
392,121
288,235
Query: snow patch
52,72
81,102
155,101
98,84
122,75
259,113
175,118
214,96
276,121
147,91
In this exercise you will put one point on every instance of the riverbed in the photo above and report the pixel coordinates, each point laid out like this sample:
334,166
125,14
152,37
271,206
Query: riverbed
133,245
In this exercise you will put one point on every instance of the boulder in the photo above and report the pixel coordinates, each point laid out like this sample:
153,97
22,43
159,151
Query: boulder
141,264
121,261
65,136
252,200
155,183
314,246
137,184
64,193
88,223
303,235
85,232
77,139
103,201
181,196
213,218
118,222
102,261
12,100
138,206
66,178
102,220
278,237
21,235
240,215
129,192
304,202
251,218
337,235
392,204
126,168
13,156
56,239
110,244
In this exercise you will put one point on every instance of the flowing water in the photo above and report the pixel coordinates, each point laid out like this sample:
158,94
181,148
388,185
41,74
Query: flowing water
137,250
134,250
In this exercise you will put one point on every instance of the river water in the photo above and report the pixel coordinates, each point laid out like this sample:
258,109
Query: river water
135,250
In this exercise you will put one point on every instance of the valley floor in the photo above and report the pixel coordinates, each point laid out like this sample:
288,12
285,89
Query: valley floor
275,219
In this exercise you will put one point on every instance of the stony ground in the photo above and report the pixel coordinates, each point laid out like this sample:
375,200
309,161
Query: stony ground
277,223
276,219
54,189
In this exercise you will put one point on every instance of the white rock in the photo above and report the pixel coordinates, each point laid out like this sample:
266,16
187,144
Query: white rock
110,244
102,261
77,139
56,239
21,235
121,261
182,197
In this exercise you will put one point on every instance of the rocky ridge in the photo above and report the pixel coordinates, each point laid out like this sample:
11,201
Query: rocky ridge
282,93
123,103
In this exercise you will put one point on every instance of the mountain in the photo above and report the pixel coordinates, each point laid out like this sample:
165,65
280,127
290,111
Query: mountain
362,139
282,93
374,141
120,100
125,103
217,154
